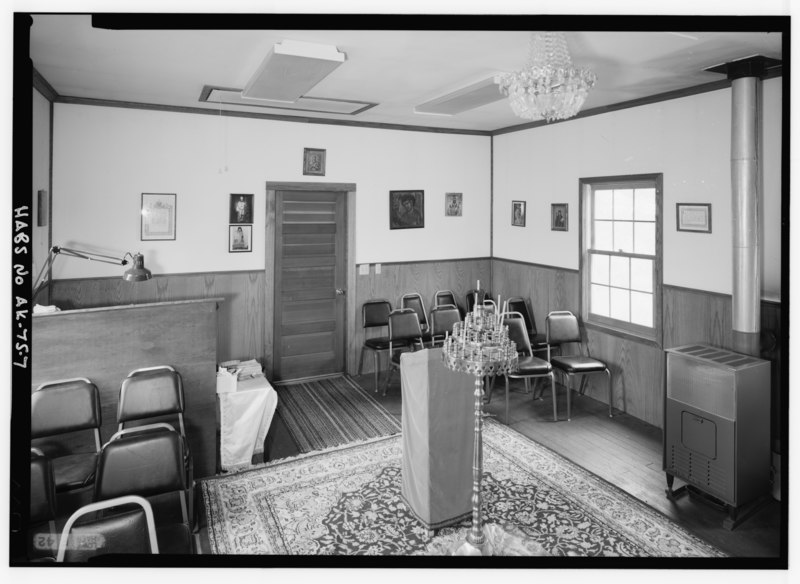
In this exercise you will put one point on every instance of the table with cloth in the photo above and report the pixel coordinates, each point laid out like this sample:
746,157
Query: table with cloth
438,435
246,408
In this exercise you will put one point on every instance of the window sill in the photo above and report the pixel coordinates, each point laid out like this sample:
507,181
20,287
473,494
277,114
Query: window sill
652,341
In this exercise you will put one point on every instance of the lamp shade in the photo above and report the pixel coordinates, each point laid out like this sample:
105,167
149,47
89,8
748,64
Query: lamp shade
138,273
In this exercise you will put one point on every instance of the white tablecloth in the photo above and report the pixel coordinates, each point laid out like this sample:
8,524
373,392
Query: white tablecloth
245,417
438,437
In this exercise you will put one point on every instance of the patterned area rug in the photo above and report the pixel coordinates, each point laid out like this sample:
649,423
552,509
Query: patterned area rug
348,501
328,412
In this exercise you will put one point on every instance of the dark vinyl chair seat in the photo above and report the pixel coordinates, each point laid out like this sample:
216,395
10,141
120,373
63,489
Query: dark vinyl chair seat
530,365
538,340
442,320
563,329
575,364
67,407
447,298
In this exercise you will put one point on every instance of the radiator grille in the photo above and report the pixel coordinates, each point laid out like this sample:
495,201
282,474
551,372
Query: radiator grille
700,471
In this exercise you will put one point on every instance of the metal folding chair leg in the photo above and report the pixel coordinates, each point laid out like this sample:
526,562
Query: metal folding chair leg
610,395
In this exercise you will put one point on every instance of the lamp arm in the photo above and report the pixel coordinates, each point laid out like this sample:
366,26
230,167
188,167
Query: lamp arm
39,283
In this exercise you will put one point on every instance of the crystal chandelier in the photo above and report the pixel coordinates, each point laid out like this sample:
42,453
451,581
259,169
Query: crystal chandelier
549,86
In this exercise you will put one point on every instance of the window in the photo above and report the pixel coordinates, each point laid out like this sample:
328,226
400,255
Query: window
621,254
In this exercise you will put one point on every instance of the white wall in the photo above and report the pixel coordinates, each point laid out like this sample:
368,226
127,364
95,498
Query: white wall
687,139
104,158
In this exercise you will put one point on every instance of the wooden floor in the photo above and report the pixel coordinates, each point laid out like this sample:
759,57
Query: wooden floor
622,450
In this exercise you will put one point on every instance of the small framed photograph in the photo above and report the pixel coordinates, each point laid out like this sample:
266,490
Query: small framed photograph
452,204
406,209
314,161
559,217
694,217
518,213
240,238
241,209
158,216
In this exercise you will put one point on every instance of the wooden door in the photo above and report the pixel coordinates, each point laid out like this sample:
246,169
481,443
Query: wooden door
310,276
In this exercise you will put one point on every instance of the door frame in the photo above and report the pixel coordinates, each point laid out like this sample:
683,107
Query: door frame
270,231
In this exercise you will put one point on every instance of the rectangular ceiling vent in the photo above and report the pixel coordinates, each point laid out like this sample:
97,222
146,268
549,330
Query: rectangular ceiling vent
291,69
219,96
461,100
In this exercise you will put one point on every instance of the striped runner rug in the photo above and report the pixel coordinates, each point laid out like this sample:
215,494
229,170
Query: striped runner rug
323,413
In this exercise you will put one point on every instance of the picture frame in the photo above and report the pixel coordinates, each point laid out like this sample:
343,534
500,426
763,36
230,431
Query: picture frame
241,208
314,161
158,216
240,238
693,217
406,209
453,204
518,213
559,217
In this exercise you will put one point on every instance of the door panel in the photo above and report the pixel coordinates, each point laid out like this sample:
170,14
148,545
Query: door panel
310,265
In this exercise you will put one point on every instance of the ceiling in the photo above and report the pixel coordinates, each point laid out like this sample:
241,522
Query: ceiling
395,69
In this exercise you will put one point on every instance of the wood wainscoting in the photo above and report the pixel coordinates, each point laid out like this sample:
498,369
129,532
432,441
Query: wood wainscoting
241,316
400,278
690,316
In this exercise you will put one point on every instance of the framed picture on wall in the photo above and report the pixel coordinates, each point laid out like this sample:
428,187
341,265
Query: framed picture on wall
314,161
694,217
158,216
241,208
452,204
240,238
518,213
406,209
559,217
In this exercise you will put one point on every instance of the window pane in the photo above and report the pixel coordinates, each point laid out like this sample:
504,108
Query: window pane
603,204
644,237
620,304
623,204
645,205
600,269
642,308
603,237
623,236
620,272
599,300
642,275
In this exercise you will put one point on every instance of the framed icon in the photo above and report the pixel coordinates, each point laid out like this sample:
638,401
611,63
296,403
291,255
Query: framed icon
559,217
241,209
406,209
518,213
314,161
240,238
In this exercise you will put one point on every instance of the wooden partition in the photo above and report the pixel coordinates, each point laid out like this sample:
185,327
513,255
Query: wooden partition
105,344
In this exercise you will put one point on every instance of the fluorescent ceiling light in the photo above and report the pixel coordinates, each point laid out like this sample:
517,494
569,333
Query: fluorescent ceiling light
466,98
219,96
291,69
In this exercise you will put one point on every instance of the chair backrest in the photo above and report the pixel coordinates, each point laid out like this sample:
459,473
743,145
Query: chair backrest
67,405
404,325
517,332
43,489
473,297
151,392
144,463
375,313
518,304
562,327
443,297
414,302
443,318
126,531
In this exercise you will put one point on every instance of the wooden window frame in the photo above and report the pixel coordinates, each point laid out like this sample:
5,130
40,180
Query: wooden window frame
651,335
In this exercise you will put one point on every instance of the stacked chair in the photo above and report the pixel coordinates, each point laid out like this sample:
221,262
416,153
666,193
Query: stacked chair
446,298
141,479
562,328
374,314
415,303
530,367
517,304
404,335
442,320
63,412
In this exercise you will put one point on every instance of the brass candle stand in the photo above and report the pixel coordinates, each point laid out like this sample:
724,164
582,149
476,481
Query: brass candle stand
479,346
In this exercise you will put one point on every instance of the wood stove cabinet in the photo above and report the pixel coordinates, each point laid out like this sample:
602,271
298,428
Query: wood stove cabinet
717,427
